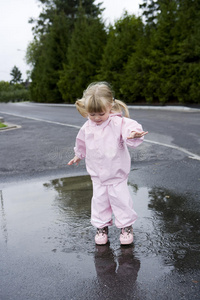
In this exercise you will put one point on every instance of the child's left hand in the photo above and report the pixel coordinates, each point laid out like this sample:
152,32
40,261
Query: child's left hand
136,135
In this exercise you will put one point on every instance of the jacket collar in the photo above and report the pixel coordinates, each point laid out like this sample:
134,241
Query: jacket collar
104,124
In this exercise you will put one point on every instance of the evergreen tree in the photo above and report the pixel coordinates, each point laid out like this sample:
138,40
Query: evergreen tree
70,8
135,72
151,9
45,74
163,55
83,56
53,32
168,69
187,29
16,75
121,43
152,68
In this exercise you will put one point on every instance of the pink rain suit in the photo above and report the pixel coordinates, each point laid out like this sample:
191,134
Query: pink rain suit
108,162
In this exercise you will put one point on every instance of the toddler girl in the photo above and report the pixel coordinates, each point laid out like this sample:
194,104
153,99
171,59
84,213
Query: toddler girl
103,141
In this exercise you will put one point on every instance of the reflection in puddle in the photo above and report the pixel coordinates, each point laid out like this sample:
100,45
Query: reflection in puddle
72,203
176,227
117,270
54,218
73,198
165,227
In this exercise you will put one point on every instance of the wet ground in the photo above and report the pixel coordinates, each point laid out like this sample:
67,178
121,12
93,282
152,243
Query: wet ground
48,250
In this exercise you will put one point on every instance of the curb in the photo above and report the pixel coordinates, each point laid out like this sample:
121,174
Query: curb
9,126
167,108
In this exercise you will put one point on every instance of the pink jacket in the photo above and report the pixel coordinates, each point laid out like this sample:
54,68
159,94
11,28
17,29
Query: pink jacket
104,148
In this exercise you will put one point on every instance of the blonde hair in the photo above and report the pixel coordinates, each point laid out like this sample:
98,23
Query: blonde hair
97,98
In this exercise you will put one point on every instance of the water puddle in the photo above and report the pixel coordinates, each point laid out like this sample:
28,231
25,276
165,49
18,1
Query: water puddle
47,226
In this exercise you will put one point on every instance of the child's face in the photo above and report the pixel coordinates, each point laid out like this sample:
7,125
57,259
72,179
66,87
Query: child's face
99,118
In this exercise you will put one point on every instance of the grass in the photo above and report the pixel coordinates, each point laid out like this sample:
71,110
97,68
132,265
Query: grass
2,125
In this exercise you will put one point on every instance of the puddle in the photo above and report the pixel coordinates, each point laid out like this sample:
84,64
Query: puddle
47,226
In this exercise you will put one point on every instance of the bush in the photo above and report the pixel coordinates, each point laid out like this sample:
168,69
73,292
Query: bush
13,92
4,86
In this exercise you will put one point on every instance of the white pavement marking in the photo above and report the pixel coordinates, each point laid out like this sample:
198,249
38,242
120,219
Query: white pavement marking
42,120
190,154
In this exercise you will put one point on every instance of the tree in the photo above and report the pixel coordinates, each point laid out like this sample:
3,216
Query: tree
47,58
187,28
16,75
48,52
83,56
151,9
152,69
165,66
135,71
70,8
121,43
163,55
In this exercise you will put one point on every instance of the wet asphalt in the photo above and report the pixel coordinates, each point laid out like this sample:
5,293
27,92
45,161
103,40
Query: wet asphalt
46,239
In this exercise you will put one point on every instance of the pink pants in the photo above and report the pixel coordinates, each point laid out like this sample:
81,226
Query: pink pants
108,199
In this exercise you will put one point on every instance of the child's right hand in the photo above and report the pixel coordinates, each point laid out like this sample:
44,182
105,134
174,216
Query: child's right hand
74,160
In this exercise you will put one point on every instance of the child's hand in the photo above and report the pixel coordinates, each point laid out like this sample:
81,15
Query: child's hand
136,135
74,160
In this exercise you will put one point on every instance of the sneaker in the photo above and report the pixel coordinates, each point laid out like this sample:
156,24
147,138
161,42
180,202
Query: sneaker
126,236
101,237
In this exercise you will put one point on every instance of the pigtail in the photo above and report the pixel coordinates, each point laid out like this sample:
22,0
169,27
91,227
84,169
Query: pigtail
120,106
80,106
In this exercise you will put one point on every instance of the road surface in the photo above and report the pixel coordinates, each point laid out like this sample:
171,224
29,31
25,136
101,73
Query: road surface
46,239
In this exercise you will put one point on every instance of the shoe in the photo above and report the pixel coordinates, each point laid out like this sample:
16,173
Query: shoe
101,237
126,236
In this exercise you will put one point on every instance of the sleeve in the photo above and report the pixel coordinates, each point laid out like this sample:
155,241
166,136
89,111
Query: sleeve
80,148
128,126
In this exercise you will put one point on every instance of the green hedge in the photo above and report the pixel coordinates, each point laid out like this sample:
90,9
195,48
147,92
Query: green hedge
13,92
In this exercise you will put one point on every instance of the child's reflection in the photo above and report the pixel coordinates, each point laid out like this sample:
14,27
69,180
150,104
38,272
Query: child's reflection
116,272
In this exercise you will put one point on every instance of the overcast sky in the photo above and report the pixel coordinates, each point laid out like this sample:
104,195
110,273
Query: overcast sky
15,31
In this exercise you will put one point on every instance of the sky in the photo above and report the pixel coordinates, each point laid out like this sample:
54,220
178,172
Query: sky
16,33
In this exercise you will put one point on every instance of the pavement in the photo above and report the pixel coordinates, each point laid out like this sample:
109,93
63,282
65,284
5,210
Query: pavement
46,239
